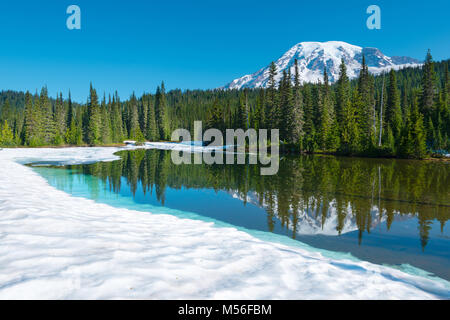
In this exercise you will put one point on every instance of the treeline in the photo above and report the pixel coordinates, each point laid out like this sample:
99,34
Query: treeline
404,113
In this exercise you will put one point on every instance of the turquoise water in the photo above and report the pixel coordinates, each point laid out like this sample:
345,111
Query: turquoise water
291,207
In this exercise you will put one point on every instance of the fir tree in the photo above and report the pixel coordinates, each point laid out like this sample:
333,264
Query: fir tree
242,118
134,127
413,143
393,109
60,121
272,112
93,134
47,123
5,112
325,116
427,97
160,112
6,135
152,128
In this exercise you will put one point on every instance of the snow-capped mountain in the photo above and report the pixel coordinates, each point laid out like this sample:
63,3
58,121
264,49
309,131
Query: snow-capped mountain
313,57
309,223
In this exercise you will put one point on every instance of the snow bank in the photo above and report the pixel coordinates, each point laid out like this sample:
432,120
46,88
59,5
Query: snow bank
55,246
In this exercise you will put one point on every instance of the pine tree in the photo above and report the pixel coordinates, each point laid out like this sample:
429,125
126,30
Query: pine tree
106,130
60,121
272,112
393,109
5,112
93,134
297,112
215,118
366,113
260,116
152,128
70,115
427,97
134,127
160,112
349,137
325,115
47,123
413,144
116,120
6,135
242,118
342,91
30,127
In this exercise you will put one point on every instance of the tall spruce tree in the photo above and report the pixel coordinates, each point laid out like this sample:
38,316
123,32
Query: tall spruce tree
325,115
427,97
413,142
60,121
93,134
393,108
272,111
160,111
348,103
152,128
47,123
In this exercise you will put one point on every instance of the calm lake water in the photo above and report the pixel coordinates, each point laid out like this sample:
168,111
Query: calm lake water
385,211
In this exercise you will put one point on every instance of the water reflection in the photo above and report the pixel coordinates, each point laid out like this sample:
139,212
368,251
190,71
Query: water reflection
310,195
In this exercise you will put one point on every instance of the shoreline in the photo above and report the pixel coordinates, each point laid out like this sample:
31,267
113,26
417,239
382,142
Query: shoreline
318,153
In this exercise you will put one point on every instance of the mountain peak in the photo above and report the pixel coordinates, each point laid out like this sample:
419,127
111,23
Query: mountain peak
314,57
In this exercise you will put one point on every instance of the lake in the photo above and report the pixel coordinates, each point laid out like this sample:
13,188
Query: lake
384,211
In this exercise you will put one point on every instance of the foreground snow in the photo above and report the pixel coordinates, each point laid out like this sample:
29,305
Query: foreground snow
53,245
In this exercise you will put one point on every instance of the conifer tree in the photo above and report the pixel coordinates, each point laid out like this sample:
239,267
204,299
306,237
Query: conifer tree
160,112
325,115
152,128
93,134
272,112
342,91
413,144
242,118
297,112
134,127
6,135
309,138
30,127
366,112
5,112
47,123
349,137
427,97
116,119
260,116
60,121
393,109
215,118
106,130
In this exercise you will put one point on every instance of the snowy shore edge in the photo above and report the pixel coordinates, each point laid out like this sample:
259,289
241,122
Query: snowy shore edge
55,246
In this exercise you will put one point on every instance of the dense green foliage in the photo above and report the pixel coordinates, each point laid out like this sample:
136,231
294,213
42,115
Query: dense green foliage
405,113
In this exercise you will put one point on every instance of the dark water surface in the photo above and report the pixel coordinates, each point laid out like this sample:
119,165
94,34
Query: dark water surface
384,211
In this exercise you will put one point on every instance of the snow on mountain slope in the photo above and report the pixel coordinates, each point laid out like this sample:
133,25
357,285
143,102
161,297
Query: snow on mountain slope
313,57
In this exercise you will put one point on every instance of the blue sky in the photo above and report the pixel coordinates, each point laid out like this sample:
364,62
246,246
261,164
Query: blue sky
133,45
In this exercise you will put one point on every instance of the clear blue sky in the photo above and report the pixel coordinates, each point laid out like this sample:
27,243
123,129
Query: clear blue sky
133,45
